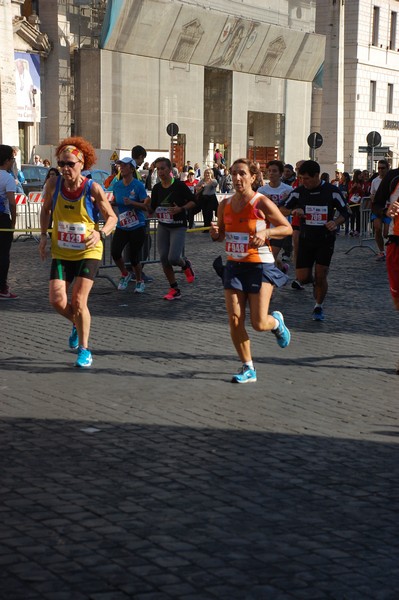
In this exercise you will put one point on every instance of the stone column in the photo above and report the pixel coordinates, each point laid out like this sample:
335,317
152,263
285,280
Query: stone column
330,21
57,97
8,103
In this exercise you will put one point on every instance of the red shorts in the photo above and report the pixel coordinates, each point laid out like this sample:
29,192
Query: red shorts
392,262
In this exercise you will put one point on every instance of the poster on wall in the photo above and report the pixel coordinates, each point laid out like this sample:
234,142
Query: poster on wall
27,81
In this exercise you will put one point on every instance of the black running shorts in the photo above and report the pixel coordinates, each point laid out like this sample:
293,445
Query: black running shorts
314,251
67,270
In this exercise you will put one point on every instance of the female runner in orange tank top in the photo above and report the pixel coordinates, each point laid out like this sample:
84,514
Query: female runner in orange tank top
243,222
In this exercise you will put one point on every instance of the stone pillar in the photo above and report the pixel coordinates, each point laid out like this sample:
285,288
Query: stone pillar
8,104
330,21
57,97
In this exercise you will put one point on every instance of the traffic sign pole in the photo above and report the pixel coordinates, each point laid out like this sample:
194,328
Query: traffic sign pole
172,129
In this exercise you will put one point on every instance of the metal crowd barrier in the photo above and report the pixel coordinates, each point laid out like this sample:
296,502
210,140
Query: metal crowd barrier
148,252
28,215
366,226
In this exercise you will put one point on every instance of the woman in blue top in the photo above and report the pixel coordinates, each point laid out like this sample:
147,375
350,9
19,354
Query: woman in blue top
129,195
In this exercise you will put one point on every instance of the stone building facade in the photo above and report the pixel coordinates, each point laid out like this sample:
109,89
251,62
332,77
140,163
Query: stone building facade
360,82
233,75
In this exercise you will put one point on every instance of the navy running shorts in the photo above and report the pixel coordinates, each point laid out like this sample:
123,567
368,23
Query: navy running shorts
248,277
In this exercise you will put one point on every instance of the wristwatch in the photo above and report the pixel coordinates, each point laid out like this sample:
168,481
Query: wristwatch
103,235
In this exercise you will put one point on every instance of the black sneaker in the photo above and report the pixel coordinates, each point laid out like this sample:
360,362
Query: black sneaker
296,285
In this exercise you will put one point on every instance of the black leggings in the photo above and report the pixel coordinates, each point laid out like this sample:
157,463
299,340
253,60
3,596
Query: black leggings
135,238
209,205
6,238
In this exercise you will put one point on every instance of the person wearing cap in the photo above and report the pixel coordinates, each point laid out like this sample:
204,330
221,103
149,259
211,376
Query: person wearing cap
75,202
288,176
129,195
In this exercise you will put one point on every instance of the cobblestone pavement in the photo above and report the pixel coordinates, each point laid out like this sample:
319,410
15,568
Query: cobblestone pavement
151,476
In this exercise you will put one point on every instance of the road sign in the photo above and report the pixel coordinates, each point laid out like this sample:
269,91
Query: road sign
172,129
315,140
373,139
114,156
380,151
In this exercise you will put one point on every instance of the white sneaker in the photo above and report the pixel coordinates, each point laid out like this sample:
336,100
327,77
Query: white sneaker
140,287
124,281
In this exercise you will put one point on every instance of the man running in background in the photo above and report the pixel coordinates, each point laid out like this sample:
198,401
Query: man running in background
316,203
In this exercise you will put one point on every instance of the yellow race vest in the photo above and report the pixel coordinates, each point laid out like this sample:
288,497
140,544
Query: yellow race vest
73,221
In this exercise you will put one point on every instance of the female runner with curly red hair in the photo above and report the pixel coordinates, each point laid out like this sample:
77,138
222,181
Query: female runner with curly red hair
76,242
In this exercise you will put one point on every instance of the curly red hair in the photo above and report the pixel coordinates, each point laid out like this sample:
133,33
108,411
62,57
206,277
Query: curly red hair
84,146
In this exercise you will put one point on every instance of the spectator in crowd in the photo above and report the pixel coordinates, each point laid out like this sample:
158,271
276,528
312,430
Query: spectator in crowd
380,221
113,177
325,178
37,160
337,178
344,189
208,199
197,170
226,184
46,163
288,174
138,154
355,195
16,171
8,214
218,156
191,183
51,173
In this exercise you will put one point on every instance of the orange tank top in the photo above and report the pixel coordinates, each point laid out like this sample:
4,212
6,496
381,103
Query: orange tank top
239,227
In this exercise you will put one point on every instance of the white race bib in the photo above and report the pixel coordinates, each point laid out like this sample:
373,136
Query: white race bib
163,215
128,219
71,235
316,215
237,244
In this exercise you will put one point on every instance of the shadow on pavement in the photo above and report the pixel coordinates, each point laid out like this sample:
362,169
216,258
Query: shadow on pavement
94,510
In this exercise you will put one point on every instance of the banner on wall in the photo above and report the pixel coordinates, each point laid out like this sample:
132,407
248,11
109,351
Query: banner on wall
27,81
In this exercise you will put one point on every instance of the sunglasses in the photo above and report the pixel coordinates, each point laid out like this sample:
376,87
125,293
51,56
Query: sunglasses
67,163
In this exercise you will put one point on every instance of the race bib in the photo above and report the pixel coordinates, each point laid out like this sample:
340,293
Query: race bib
163,215
237,244
71,235
316,215
128,219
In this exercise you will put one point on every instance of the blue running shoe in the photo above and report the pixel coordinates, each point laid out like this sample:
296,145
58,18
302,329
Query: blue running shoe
245,375
84,359
74,338
318,314
282,332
